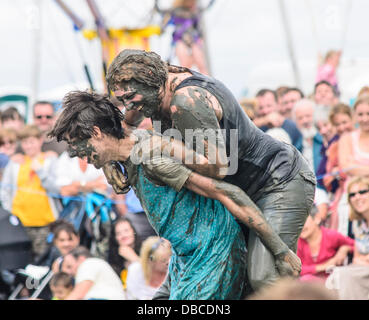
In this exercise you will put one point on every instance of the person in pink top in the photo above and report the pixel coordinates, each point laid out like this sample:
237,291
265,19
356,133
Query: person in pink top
353,159
327,70
320,249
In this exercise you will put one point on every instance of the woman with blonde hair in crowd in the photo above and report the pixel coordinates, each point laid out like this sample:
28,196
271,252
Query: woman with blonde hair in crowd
358,197
353,156
249,106
147,275
364,92
341,118
352,281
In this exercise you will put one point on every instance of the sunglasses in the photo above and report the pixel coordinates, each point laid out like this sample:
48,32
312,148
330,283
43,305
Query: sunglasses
43,116
353,194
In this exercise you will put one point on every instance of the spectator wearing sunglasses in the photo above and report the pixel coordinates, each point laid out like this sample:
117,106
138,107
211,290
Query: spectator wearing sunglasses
358,197
44,118
353,157
352,281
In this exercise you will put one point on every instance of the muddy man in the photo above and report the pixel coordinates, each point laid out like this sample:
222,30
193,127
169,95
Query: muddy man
273,174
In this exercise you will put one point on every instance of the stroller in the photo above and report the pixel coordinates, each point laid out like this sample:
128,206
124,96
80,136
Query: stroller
15,250
91,215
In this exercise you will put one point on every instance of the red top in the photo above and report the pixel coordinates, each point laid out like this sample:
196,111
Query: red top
331,242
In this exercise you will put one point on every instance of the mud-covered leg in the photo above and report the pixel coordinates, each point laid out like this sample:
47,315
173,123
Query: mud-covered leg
286,211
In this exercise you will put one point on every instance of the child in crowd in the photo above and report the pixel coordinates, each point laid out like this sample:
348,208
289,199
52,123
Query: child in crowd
26,188
61,285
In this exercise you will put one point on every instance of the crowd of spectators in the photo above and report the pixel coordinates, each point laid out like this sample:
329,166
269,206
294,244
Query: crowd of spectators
61,201
118,255
333,137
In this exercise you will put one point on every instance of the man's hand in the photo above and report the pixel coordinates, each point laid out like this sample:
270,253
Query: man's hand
116,178
288,264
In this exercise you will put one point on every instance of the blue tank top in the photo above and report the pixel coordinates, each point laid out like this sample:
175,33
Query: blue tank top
262,160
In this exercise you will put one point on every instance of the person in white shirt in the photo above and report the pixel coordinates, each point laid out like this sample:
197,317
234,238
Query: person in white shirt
82,177
95,279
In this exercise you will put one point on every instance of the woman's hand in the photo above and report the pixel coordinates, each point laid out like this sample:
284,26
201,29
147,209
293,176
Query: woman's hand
128,253
116,178
288,264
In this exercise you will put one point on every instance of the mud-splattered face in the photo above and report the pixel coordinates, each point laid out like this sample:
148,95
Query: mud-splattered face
84,148
138,96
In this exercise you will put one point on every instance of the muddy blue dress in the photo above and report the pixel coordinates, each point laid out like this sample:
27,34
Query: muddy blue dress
208,248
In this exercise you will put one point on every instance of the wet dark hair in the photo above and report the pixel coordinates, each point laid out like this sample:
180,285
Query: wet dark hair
144,67
82,111
140,65
114,259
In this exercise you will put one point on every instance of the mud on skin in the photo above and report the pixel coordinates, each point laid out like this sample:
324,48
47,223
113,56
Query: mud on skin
195,111
150,101
82,149
269,237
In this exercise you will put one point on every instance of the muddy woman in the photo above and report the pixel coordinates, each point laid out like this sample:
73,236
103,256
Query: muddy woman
195,213
273,174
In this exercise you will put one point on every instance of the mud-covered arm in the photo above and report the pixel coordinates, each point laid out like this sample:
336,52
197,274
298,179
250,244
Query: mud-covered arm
244,209
240,205
169,147
176,175
196,113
